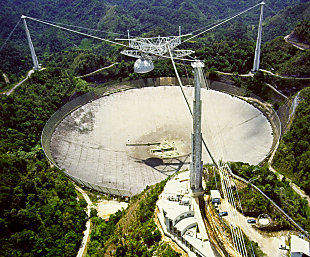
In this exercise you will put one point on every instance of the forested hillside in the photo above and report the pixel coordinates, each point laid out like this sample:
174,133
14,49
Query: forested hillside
286,59
293,156
284,22
40,215
131,232
150,17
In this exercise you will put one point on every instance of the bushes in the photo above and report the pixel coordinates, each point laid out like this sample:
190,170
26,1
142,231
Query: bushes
293,155
280,192
136,233
39,215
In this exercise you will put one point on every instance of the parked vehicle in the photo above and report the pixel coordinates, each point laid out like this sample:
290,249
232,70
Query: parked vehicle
253,221
223,213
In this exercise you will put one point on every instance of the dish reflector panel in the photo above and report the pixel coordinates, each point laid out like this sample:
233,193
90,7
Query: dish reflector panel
143,66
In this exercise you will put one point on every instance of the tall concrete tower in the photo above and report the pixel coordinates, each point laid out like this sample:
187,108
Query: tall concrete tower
259,40
196,163
36,65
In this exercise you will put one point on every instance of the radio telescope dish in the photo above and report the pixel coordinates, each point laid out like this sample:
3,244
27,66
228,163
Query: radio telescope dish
143,65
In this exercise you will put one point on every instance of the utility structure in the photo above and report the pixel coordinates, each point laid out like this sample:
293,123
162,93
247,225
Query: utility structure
36,65
196,163
259,40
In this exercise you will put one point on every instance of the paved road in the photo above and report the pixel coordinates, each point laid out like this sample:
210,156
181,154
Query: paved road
283,77
292,185
19,83
268,242
299,46
275,90
86,232
280,176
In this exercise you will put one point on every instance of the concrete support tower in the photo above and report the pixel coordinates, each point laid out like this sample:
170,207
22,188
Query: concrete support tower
196,163
36,65
259,39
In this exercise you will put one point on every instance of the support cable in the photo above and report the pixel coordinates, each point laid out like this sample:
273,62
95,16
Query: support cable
95,37
74,31
180,82
10,35
276,14
224,21
79,27
214,23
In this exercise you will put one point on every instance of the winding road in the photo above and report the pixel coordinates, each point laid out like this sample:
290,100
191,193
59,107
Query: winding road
87,231
300,46
19,83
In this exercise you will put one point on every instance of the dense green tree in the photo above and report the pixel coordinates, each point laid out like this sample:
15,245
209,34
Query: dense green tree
253,203
39,215
293,155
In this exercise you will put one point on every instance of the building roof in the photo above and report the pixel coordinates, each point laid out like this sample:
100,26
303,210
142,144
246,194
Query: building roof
215,194
299,245
185,224
173,209
178,184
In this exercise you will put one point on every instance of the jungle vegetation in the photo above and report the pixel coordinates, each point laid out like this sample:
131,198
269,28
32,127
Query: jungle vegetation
131,232
254,204
40,215
292,158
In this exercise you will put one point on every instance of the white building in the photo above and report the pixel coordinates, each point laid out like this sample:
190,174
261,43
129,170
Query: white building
299,247
180,217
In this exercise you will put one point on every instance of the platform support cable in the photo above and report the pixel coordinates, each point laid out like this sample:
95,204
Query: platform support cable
36,65
11,33
233,230
259,39
236,232
230,196
80,27
208,26
222,22
230,192
74,31
253,254
220,229
276,14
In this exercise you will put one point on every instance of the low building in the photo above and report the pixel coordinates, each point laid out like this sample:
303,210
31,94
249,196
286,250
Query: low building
299,247
179,219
